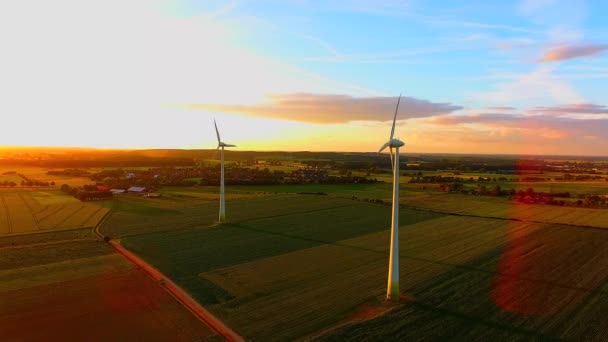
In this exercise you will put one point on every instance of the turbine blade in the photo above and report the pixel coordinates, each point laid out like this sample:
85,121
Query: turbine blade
383,147
216,132
228,145
395,118
392,161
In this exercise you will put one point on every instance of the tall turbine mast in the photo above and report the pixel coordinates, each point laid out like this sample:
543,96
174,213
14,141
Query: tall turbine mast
392,289
222,217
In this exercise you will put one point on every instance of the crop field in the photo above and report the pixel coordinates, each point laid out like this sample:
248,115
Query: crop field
545,283
297,223
375,190
66,286
501,208
140,215
26,211
11,178
289,265
297,293
40,174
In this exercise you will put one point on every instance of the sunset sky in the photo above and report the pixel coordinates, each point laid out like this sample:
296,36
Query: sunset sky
527,77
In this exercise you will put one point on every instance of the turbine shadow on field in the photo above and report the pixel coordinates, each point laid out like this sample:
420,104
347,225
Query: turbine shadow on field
440,309
461,301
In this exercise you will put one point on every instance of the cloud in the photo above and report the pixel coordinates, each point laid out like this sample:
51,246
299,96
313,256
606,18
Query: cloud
501,108
536,128
538,86
477,118
579,108
573,51
328,109
486,26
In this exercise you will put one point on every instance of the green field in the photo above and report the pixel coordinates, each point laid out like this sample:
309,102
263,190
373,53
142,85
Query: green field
137,215
293,274
290,265
501,208
294,294
266,227
540,284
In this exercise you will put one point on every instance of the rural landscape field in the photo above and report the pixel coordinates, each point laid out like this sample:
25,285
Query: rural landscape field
304,259
353,170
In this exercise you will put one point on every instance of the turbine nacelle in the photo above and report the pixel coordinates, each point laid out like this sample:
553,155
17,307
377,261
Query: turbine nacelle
395,143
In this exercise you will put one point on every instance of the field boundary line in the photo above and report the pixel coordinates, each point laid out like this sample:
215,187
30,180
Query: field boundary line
69,216
569,225
30,209
43,243
296,213
92,215
9,221
61,207
44,231
100,223
179,294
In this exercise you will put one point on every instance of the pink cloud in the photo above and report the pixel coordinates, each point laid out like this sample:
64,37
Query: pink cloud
578,108
331,108
573,51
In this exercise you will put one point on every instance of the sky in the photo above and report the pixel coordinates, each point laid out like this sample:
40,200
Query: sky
515,77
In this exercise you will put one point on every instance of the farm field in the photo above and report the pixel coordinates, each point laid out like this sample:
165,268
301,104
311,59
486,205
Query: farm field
299,223
289,265
40,174
132,215
499,207
547,283
25,211
62,286
581,187
10,178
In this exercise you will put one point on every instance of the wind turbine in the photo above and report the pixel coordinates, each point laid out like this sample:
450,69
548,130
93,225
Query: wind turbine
392,290
222,199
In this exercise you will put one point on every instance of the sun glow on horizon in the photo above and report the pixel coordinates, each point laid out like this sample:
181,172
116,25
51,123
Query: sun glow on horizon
153,74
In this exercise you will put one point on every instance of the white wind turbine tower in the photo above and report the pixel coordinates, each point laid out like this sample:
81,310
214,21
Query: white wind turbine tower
392,290
222,199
